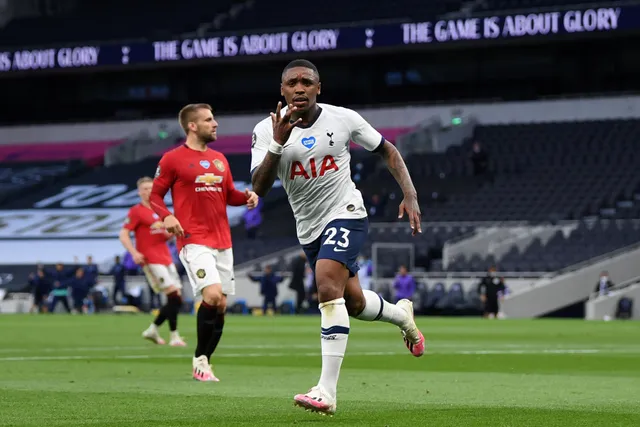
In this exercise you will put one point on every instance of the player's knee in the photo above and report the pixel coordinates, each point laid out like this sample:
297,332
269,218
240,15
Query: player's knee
331,278
355,305
212,295
174,299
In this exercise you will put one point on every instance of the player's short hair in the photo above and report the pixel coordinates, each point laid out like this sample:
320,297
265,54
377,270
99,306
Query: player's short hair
143,180
187,113
301,63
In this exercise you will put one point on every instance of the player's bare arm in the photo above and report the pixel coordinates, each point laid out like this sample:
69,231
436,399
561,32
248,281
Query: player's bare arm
399,170
265,174
125,239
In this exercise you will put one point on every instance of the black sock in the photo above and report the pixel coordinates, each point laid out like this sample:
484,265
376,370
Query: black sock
217,334
162,315
206,322
174,302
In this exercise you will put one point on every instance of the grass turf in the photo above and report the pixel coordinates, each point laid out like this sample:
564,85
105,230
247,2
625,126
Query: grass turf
59,370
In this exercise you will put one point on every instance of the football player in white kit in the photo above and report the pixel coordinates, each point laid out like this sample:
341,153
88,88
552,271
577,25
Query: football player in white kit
306,145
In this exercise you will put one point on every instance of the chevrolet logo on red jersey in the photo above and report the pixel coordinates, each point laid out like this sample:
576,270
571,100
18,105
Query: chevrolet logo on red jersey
208,179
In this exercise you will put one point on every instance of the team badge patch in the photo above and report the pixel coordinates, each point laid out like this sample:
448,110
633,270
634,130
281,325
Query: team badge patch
309,142
157,172
201,273
219,165
205,164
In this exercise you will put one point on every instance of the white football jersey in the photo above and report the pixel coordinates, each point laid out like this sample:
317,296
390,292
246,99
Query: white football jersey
315,169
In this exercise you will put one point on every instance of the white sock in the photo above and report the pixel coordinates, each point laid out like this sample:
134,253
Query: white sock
175,335
377,308
153,328
334,335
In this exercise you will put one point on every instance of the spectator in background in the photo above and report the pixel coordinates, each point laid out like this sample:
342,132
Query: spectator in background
365,272
252,220
296,284
404,284
268,286
479,160
604,284
91,271
40,287
60,293
491,289
80,286
118,272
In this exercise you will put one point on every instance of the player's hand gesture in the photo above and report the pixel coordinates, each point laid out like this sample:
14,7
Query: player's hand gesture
282,125
252,198
173,226
410,205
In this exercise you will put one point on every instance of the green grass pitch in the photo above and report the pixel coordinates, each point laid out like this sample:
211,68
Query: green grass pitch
58,370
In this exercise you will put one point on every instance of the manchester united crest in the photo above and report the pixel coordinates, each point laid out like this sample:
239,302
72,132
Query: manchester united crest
219,165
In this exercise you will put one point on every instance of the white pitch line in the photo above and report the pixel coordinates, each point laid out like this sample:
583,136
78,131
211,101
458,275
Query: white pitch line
181,356
310,354
146,347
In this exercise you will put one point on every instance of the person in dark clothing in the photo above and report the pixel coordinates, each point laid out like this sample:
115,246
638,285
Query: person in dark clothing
80,286
119,272
268,286
60,279
40,286
491,289
296,284
91,271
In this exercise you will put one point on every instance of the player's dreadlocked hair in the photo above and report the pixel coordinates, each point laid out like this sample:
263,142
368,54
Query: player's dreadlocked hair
301,63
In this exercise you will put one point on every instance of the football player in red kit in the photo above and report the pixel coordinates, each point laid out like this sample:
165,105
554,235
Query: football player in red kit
201,187
152,253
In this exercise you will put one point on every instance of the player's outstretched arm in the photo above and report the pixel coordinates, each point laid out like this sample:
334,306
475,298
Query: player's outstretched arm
399,170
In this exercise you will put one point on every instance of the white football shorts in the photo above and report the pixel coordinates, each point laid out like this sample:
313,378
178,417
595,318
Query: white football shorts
161,277
207,266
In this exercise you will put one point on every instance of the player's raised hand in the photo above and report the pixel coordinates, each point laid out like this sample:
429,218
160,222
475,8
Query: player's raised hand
252,198
282,125
173,226
410,205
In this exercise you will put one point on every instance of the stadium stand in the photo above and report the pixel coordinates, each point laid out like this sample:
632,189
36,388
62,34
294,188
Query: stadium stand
537,173
162,19
22,178
92,152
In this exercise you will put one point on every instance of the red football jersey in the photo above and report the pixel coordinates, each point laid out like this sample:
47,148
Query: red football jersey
151,237
201,187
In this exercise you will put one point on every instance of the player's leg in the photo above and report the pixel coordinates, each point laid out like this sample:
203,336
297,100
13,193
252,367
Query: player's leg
224,267
367,305
173,293
200,264
331,277
154,275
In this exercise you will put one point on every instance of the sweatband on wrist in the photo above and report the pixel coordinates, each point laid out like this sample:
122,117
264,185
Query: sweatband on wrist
276,148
